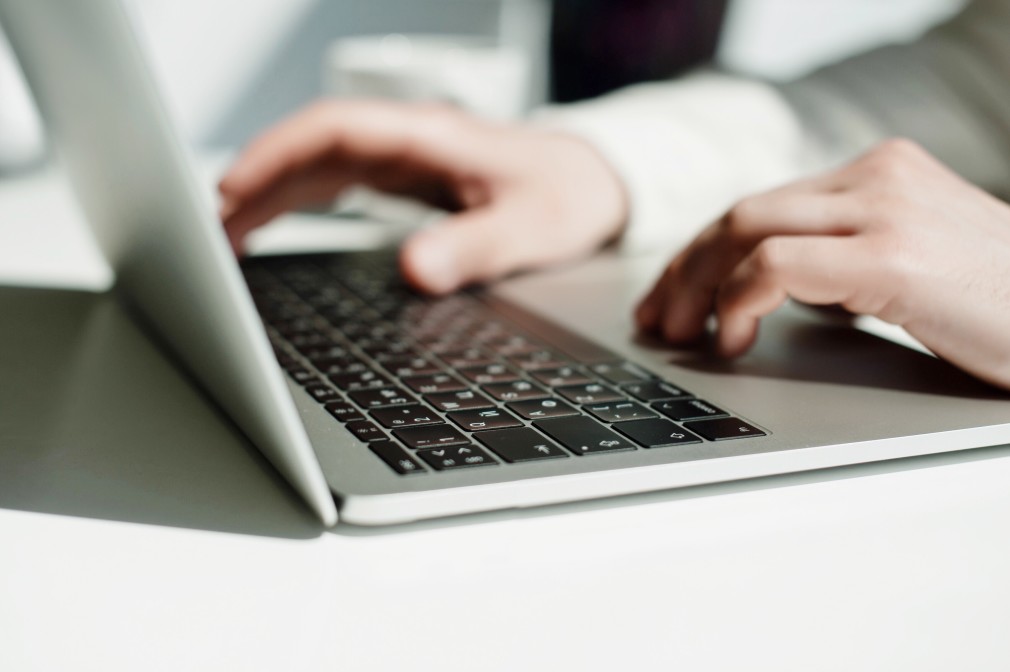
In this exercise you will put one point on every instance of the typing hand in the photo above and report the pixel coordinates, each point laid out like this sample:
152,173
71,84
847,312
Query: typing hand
523,198
895,234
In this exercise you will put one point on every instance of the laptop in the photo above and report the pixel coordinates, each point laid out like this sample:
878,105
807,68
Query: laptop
380,406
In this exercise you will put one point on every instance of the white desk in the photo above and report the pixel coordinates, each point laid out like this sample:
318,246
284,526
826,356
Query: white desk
885,567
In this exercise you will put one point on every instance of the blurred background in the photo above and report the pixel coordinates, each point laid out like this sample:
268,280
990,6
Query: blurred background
232,67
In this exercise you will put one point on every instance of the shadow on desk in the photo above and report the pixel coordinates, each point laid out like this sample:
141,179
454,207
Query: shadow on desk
96,422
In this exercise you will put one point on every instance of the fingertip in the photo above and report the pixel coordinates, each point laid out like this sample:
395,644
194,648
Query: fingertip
735,337
427,263
647,313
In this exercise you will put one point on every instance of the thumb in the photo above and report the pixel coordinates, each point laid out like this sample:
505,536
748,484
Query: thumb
474,246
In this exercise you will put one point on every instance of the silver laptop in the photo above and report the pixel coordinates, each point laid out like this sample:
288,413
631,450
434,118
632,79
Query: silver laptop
389,407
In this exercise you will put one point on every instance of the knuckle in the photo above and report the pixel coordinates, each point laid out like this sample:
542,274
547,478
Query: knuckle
770,256
891,162
740,218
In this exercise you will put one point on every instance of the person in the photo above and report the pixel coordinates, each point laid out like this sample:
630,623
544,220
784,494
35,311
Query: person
896,233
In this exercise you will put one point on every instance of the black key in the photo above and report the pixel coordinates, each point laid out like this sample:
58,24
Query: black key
405,416
582,435
540,359
541,409
620,412
365,431
618,373
431,436
411,366
323,393
359,381
397,458
383,396
440,382
303,375
480,420
456,457
339,365
656,433
467,357
389,350
323,352
490,373
654,390
515,391
520,445
566,375
459,401
688,409
724,428
593,393
343,411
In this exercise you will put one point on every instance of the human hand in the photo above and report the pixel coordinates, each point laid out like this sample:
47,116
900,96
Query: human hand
894,234
524,197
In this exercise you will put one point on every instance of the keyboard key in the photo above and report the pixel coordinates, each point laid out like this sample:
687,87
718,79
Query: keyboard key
688,409
541,409
323,352
359,381
365,431
343,411
481,420
724,428
302,375
583,436
456,457
405,416
459,401
515,391
384,396
539,359
520,445
402,367
618,373
620,412
440,382
491,373
339,365
656,433
593,393
323,393
654,390
566,375
400,460
467,357
431,436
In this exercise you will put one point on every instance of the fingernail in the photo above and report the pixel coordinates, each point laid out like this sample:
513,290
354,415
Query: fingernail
430,263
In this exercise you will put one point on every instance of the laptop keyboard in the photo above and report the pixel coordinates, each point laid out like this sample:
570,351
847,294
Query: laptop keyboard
437,384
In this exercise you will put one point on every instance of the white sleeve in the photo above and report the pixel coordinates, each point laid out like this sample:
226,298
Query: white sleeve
686,150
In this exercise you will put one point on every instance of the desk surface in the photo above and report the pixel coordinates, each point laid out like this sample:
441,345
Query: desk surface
186,552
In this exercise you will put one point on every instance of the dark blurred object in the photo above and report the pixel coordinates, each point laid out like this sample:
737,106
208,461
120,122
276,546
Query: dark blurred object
601,45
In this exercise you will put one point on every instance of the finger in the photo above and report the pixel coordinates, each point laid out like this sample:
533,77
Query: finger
299,191
695,275
477,245
649,309
819,270
351,132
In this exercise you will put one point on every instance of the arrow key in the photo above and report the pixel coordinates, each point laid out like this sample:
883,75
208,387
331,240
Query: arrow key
456,457
656,433
520,445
